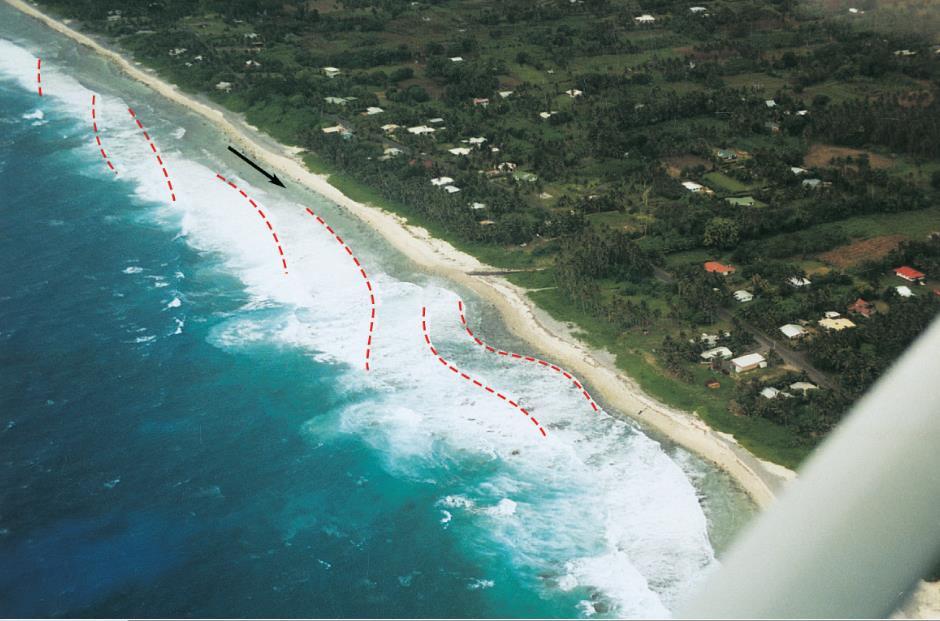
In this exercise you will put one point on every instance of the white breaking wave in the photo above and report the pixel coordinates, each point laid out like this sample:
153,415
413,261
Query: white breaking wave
595,508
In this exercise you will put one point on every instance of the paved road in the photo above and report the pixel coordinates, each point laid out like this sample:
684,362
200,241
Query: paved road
790,356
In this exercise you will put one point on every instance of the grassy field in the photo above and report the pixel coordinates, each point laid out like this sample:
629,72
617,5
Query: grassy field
911,224
724,184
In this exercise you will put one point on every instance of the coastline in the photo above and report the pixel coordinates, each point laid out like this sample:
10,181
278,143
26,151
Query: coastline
758,478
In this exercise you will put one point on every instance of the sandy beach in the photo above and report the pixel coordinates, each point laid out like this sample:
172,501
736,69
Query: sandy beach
760,479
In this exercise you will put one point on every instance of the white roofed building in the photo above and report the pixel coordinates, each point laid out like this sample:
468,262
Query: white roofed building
716,352
748,362
793,331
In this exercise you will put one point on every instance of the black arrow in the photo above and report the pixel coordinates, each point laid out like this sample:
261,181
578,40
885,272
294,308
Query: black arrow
272,178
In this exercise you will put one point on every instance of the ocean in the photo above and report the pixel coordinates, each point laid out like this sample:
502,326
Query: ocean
187,430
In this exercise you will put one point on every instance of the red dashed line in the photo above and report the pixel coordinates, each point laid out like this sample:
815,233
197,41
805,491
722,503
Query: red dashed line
501,396
166,175
277,242
39,75
365,277
94,124
543,363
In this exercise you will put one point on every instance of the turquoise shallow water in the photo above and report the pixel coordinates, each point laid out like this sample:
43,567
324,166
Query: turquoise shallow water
186,432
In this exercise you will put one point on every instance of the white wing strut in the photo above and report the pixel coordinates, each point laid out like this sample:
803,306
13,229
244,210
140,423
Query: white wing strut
861,525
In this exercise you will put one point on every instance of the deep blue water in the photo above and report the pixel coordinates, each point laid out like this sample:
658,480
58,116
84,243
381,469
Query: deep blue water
171,477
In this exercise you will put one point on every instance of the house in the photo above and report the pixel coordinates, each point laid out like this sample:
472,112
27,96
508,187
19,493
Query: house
904,291
477,205
769,392
711,383
793,331
373,110
743,296
709,339
487,222
803,387
796,170
176,51
337,101
436,120
439,181
481,101
505,94
388,128
460,151
420,129
802,112
250,64
716,352
331,72
336,129
224,86
697,9
456,59
506,167
770,103
741,201
863,308
748,362
798,281
547,115
573,92
644,19
392,151
451,189
812,184
773,128
726,155
909,274
477,140
696,188
714,267
836,324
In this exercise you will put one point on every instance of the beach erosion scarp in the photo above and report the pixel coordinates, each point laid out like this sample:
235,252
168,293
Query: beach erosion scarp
759,479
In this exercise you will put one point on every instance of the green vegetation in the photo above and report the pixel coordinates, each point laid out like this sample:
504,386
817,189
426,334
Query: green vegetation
567,138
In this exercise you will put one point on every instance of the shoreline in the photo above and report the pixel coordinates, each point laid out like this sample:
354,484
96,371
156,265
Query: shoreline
758,478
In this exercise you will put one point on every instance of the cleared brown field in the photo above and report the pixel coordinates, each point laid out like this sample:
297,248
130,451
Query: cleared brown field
820,156
860,251
675,164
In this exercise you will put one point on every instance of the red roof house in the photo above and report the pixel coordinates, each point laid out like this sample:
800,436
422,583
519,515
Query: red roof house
863,308
909,273
715,267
